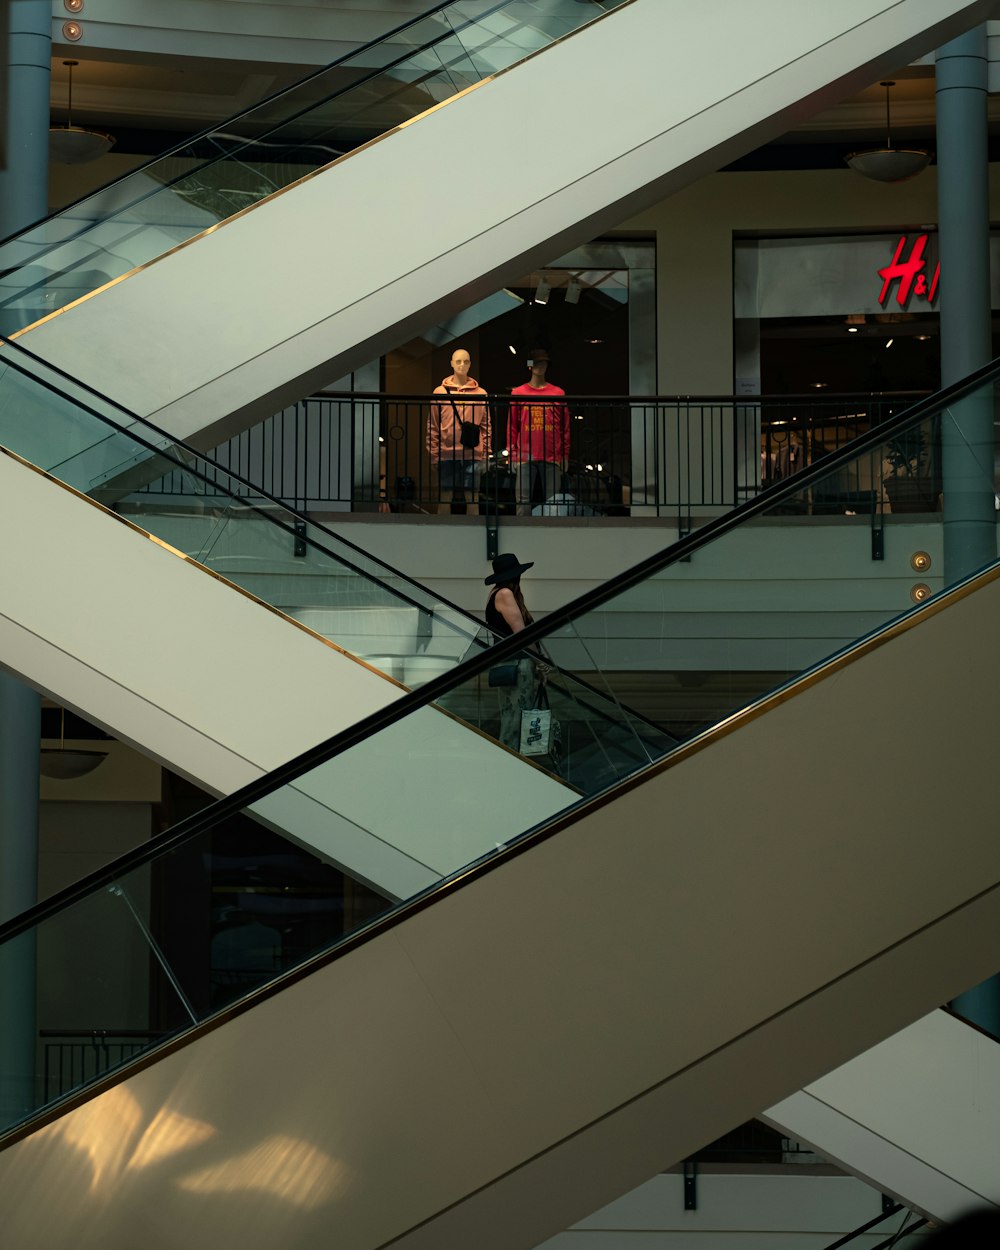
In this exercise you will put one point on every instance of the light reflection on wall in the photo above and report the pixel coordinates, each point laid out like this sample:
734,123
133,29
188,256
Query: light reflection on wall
168,1134
105,1131
285,1167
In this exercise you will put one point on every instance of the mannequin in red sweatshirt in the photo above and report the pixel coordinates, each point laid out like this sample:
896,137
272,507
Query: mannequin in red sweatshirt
537,433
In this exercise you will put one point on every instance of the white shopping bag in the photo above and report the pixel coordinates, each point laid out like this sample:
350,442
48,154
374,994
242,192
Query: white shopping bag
536,731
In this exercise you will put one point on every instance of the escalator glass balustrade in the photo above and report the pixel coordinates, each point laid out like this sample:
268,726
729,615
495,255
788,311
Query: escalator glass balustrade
732,617
256,154
228,528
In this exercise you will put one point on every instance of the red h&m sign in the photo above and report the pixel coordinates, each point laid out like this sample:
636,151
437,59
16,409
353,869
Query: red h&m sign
911,274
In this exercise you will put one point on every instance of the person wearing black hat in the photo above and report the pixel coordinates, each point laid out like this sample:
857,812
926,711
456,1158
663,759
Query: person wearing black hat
506,613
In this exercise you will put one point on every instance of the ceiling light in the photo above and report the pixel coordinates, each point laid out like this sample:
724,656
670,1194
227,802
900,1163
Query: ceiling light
889,342
818,386
920,561
72,31
889,164
573,292
75,145
920,592
512,349
852,329
922,338
542,292
66,765
73,6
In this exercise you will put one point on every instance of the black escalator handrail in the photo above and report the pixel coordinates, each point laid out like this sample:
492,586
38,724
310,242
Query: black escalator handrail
474,623
532,636
904,1231
209,131
165,454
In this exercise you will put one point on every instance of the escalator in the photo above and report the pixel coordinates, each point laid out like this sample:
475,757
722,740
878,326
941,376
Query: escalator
578,1007
916,1115
200,661
179,293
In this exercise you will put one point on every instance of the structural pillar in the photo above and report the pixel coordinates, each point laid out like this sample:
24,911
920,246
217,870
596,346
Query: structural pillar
23,200
20,731
970,517
964,221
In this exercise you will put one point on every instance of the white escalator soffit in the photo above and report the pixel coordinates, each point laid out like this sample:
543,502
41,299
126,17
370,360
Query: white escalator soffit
915,1115
220,687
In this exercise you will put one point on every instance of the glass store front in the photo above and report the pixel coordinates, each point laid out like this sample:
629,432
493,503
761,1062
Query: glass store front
846,324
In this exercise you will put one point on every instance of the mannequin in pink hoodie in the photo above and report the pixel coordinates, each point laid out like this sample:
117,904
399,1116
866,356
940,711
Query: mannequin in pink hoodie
458,437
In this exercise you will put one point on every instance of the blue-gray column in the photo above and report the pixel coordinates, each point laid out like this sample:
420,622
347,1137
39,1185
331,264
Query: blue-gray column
23,200
970,517
20,731
964,220
24,183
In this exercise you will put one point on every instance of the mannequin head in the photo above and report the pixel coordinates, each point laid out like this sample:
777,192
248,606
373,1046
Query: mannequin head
461,363
538,362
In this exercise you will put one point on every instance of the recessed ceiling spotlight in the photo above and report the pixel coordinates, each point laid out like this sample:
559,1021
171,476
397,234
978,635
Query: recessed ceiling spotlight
818,386
922,338
920,592
889,342
72,31
852,329
73,6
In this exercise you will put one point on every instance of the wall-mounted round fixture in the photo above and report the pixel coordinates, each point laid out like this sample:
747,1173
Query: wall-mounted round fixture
72,31
920,592
73,6
920,562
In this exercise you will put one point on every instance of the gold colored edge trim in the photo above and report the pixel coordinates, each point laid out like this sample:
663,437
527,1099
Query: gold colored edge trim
240,590
525,759
219,225
13,455
312,174
737,720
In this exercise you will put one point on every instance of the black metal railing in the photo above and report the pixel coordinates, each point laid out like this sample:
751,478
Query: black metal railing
73,1057
754,1142
610,455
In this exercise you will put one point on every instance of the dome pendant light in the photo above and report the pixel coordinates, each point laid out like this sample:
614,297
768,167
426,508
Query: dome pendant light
889,164
74,145
64,763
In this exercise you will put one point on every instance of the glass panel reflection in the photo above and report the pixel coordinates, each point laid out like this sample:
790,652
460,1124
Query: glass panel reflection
257,153
193,925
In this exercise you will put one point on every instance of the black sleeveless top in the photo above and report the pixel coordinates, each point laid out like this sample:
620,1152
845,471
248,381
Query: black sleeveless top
494,619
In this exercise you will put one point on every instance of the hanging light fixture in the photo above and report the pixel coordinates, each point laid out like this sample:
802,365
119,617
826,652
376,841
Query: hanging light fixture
66,765
75,145
889,164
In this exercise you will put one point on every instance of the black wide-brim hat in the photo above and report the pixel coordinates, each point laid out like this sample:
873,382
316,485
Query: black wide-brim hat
507,568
